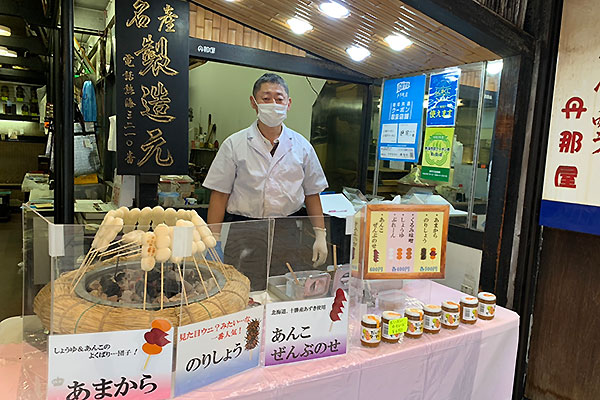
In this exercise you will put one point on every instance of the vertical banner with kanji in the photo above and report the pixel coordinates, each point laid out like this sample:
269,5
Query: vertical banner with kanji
211,350
405,241
401,118
306,329
571,196
125,364
437,153
152,59
443,98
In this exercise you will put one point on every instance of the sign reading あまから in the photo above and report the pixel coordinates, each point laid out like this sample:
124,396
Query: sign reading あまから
405,241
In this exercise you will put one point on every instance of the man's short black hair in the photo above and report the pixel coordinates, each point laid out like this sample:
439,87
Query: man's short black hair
270,78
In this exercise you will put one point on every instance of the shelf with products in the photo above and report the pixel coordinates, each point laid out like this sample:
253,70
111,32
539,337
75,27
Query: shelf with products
15,117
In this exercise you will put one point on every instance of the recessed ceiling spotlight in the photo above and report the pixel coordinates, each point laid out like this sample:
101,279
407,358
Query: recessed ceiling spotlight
358,53
299,26
334,10
4,30
398,42
495,67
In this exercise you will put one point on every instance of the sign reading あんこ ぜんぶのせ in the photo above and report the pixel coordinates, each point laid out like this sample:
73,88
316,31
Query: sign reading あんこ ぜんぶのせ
152,60
405,241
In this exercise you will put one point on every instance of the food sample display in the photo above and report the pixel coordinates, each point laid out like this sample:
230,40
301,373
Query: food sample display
450,315
468,310
370,332
135,272
432,318
487,305
415,323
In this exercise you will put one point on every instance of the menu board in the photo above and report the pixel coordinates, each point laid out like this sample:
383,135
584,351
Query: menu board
405,241
152,61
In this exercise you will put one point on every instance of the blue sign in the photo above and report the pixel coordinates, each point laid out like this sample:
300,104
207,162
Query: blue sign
401,118
443,96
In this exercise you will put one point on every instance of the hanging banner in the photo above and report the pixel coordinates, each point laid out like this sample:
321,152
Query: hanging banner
125,364
571,196
211,350
306,329
405,241
152,59
443,97
437,154
401,119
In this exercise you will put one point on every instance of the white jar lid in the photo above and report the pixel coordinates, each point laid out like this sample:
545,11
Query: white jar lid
371,319
390,315
486,296
432,308
413,312
469,300
450,305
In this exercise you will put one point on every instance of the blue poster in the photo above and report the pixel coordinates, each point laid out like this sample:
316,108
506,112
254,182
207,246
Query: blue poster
443,96
401,118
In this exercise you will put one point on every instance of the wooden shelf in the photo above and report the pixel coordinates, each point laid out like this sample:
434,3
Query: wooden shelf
25,118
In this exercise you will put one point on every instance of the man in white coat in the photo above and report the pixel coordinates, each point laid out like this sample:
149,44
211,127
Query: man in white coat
266,170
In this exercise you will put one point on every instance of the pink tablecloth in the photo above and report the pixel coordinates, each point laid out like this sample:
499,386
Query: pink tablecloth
472,362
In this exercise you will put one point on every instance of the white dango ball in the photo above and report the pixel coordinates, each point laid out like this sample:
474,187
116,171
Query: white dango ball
197,236
133,237
149,238
134,214
194,248
158,215
170,216
163,241
210,241
163,255
200,246
161,230
176,260
182,214
147,263
205,232
148,251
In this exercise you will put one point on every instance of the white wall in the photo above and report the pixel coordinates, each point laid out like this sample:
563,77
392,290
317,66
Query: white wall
223,90
463,266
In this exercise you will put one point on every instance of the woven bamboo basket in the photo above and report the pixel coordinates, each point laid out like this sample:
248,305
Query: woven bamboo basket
73,314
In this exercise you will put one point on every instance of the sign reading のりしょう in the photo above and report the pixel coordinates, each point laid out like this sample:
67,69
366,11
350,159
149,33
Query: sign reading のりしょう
151,73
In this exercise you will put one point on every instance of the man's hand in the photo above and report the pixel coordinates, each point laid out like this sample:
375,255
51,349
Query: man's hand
320,247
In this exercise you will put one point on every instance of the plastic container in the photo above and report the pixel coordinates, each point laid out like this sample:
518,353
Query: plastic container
370,332
432,319
415,323
311,284
386,317
487,305
468,310
450,315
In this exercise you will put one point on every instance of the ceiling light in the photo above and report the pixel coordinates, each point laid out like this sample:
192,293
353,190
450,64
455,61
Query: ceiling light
4,30
334,10
358,53
299,26
495,67
7,53
398,42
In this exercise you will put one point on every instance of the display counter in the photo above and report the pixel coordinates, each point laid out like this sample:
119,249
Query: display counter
472,362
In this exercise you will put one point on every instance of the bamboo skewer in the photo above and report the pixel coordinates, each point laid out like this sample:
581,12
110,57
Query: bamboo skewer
183,286
293,273
334,258
145,288
215,255
200,275
85,260
162,284
125,247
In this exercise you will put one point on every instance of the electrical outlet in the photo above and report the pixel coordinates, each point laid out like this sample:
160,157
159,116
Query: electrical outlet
466,289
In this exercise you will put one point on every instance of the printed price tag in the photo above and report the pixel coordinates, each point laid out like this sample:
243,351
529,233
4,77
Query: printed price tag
397,326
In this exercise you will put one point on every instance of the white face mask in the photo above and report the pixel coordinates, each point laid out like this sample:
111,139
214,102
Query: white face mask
271,114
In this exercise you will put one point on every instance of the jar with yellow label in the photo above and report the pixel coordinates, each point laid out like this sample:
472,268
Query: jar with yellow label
487,305
450,315
468,310
432,319
415,323
386,317
370,335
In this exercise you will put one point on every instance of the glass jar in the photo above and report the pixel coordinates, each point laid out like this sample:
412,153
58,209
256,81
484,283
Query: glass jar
487,305
386,317
450,315
370,335
468,310
415,323
432,319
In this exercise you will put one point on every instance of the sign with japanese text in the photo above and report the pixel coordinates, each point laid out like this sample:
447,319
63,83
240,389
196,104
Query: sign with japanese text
401,118
211,350
443,97
306,329
151,75
571,196
437,153
405,241
125,364
357,223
